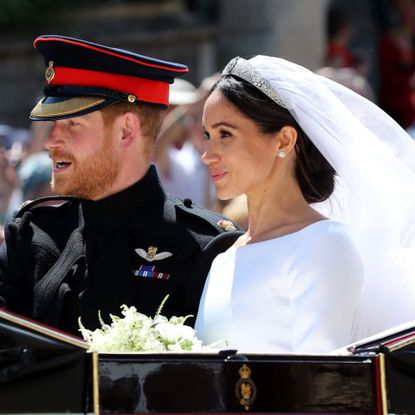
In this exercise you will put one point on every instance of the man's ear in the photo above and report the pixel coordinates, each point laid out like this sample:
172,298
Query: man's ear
130,128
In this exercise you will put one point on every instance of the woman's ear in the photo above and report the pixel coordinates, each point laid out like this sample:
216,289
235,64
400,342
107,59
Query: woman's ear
286,140
130,128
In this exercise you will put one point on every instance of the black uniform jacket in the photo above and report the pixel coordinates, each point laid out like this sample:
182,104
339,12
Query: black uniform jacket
83,257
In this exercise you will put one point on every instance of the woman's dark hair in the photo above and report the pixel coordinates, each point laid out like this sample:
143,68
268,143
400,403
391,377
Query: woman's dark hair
313,172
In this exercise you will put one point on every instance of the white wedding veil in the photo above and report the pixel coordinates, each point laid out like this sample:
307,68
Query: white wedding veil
375,188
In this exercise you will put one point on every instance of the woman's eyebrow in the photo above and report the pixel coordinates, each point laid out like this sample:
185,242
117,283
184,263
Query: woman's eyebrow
225,124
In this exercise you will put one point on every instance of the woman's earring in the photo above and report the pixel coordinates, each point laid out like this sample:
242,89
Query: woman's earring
282,154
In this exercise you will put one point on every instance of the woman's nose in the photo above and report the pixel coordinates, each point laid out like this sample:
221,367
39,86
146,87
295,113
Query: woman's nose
210,155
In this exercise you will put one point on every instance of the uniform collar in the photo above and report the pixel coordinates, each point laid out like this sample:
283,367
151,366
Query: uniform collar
117,212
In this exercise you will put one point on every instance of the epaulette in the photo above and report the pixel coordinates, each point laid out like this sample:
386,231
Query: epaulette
214,219
43,201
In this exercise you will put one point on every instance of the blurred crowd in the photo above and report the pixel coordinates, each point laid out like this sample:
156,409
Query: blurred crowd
394,63
25,167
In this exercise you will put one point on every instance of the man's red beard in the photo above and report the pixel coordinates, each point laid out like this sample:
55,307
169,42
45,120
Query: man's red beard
88,178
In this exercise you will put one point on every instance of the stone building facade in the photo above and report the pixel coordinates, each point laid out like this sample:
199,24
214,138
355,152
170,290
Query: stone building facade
204,34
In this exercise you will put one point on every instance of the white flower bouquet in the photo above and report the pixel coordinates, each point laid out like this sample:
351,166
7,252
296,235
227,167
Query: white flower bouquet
135,332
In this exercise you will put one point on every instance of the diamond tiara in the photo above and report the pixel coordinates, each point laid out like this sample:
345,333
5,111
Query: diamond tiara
243,69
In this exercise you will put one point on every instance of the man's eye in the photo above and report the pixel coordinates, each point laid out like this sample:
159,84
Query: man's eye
206,136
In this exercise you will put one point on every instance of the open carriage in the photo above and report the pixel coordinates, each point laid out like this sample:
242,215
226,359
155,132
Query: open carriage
43,370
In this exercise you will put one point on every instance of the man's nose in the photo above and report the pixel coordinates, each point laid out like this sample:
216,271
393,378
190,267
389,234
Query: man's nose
55,137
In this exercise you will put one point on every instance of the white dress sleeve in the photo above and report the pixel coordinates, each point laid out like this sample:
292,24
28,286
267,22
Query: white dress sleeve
293,294
325,290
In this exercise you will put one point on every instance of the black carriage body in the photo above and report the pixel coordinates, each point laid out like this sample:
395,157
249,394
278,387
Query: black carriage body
46,371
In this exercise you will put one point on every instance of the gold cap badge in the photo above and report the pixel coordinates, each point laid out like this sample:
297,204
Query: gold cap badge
50,72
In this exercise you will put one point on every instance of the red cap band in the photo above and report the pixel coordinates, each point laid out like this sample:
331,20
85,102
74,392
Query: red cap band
146,90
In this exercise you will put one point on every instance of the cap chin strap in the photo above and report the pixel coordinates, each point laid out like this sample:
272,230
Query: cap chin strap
69,108
74,101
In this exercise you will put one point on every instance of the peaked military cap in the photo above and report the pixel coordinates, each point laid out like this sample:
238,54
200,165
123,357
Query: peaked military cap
83,77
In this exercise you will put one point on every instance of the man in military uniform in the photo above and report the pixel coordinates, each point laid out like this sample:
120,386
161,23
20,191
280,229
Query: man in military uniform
116,238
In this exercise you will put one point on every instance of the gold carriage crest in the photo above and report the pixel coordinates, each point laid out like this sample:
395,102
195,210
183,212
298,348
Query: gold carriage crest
245,388
50,72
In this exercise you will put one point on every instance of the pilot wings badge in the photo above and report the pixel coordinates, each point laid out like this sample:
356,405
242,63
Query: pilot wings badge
151,254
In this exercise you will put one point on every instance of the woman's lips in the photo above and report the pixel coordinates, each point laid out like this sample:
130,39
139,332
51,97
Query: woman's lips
217,175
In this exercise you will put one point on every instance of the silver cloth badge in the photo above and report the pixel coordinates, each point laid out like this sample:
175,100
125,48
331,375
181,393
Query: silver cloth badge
151,254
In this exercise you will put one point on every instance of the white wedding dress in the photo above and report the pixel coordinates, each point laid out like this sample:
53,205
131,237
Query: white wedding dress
294,294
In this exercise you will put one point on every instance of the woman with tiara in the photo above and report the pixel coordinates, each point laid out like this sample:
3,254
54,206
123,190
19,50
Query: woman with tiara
329,254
